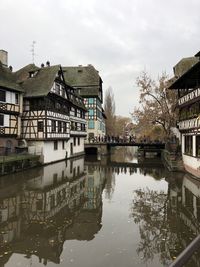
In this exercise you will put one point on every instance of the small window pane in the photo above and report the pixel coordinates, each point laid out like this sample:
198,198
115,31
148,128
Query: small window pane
2,96
91,112
91,124
59,126
53,126
16,98
55,145
40,126
91,101
1,120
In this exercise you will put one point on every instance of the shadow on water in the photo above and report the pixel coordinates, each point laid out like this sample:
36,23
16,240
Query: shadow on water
45,207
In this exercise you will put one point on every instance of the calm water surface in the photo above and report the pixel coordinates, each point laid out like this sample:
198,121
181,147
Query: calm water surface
98,213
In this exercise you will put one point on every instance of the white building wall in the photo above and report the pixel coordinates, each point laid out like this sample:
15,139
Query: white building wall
46,150
193,164
6,120
77,149
61,169
51,155
194,145
183,143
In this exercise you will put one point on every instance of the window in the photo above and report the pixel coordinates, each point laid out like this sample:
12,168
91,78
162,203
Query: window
64,193
59,198
1,120
55,145
198,146
63,144
188,144
59,126
2,96
90,124
16,99
78,141
53,126
91,101
40,126
64,127
39,204
57,106
72,111
55,178
74,141
72,125
63,91
91,112
71,166
57,88
52,201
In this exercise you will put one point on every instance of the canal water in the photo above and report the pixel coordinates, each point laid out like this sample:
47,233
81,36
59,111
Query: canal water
116,211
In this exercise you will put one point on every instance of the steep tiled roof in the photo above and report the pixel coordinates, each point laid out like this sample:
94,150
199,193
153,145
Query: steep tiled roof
189,79
184,65
85,78
81,75
41,82
23,73
8,79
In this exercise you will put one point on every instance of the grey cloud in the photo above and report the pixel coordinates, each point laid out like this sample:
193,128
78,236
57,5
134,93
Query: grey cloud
119,37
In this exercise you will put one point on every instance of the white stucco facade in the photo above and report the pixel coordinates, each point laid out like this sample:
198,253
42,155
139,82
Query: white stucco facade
50,152
192,161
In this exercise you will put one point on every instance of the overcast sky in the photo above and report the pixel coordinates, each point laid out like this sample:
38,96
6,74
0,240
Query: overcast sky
120,38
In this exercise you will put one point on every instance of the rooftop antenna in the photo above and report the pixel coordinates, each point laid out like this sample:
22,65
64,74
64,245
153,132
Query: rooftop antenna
33,51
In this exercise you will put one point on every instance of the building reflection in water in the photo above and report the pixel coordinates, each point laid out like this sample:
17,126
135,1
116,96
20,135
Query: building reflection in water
42,208
168,222
56,203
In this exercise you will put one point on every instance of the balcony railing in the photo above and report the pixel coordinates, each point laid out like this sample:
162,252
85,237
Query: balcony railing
9,107
186,98
189,124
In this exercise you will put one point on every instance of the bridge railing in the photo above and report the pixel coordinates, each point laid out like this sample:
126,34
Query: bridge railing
113,140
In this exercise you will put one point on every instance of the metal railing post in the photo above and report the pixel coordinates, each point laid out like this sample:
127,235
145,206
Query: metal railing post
186,253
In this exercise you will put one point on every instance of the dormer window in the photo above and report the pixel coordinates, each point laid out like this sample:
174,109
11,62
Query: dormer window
32,74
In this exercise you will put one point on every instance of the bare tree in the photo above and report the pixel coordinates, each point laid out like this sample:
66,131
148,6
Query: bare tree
156,103
121,125
109,107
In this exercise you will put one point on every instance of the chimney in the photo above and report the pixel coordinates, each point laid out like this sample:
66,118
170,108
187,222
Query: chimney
11,68
4,58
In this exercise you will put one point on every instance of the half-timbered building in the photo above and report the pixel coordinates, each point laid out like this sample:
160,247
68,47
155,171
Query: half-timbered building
46,122
88,83
10,107
187,84
60,187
